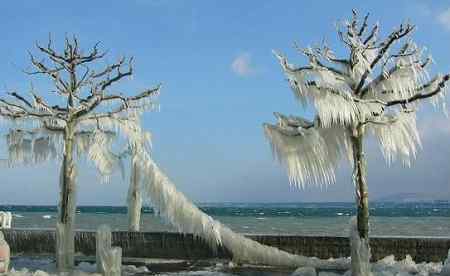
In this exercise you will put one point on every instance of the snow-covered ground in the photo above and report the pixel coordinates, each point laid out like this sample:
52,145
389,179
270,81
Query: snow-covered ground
388,266
26,266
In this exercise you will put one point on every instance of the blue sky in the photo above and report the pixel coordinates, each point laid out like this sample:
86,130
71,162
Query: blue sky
220,83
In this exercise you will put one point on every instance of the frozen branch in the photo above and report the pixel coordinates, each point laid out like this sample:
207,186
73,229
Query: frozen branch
97,100
420,96
396,35
119,75
22,99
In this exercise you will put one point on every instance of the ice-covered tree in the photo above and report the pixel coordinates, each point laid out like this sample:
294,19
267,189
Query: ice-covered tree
86,119
374,89
87,122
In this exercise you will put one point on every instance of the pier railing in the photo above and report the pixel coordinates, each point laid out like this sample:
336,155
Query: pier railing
186,246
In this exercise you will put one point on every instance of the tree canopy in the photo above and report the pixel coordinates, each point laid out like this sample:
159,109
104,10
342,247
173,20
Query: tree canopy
378,84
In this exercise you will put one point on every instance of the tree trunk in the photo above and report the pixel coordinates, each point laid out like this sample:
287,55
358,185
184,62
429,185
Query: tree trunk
134,198
359,178
65,244
361,249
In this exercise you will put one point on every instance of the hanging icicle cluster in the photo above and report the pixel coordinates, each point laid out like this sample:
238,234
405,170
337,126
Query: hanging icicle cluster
28,147
309,152
38,146
379,85
398,136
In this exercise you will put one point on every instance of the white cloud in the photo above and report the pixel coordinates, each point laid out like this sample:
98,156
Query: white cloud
444,19
242,65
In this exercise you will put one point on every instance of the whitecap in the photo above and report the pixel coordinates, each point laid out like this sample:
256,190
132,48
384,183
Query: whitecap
339,214
47,216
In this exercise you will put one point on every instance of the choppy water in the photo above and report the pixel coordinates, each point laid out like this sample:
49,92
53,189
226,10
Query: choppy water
388,219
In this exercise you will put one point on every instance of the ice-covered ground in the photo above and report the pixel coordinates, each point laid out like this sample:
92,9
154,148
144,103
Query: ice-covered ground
388,266
38,266
385,267
46,267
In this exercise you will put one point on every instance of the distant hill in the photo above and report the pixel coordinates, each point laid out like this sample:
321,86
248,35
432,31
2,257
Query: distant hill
414,197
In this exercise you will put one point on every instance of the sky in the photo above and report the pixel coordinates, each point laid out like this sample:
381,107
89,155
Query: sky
220,84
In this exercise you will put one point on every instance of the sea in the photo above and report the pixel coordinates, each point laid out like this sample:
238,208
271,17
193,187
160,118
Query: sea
323,219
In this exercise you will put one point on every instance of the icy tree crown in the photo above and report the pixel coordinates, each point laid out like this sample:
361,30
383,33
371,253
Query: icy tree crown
89,109
377,86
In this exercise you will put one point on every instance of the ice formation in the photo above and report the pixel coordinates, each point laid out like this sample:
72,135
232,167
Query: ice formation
4,254
65,232
388,266
112,263
398,136
384,267
109,259
65,246
360,251
446,268
5,220
375,89
378,85
82,269
102,246
304,271
309,153
187,218
134,198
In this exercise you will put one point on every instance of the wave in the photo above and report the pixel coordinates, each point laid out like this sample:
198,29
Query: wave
410,209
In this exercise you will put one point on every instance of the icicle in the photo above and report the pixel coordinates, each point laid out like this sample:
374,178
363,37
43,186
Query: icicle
398,136
100,155
310,155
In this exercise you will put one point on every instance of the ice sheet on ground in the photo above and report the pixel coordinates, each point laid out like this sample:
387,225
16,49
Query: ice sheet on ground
387,266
